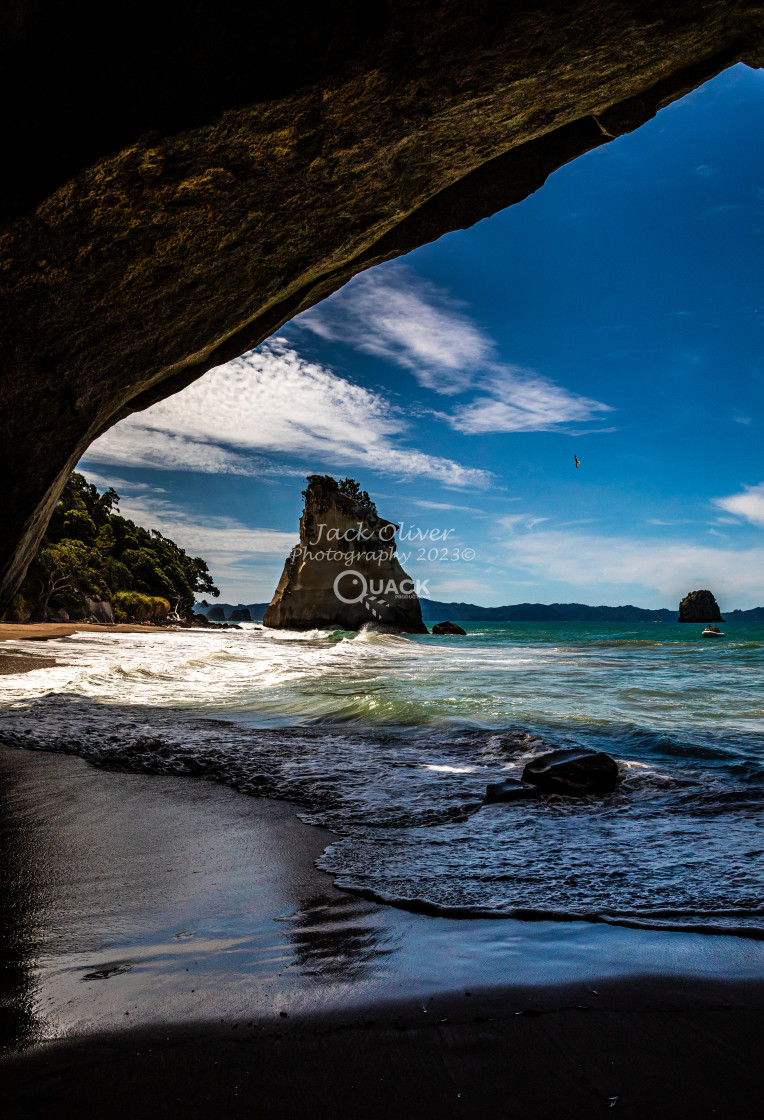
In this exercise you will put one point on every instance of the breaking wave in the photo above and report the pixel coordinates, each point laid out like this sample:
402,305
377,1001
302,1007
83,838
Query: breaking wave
390,741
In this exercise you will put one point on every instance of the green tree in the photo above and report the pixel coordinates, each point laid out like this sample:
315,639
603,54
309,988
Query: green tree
347,486
352,488
69,569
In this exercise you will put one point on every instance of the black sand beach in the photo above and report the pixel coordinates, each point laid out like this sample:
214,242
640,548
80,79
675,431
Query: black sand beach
188,959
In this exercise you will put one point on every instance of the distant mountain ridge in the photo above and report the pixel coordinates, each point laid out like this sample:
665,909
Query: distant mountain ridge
434,611
257,610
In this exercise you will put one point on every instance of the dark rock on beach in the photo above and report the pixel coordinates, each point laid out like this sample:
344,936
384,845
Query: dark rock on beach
511,789
699,606
447,628
573,771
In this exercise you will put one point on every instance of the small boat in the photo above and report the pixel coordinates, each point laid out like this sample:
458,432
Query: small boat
712,632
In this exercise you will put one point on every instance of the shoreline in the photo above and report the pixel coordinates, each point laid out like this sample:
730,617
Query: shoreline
46,631
171,948
18,662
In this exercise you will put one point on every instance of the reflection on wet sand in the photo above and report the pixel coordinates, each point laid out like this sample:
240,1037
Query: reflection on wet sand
130,900
136,900
334,937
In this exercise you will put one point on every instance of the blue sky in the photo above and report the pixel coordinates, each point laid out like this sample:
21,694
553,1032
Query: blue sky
617,314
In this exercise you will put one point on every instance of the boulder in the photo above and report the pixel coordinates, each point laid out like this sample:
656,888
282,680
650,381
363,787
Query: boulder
511,789
447,628
241,614
699,606
344,573
201,620
216,614
99,610
573,771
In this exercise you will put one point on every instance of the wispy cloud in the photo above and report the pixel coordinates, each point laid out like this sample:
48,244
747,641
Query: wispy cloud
273,401
612,565
401,318
748,504
121,485
515,400
446,506
406,320
517,521
672,521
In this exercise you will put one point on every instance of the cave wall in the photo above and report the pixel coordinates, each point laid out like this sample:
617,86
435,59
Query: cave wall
179,190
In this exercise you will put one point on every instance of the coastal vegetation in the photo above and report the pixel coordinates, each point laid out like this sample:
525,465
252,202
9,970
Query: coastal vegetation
91,554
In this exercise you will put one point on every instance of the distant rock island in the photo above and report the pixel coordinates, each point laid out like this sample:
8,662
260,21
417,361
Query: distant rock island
344,573
699,606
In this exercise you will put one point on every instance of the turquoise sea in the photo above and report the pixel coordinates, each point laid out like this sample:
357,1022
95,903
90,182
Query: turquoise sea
390,741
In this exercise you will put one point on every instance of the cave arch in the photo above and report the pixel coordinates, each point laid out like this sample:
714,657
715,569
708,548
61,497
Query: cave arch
182,192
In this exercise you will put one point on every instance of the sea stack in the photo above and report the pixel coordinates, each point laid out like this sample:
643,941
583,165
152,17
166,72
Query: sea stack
344,574
699,606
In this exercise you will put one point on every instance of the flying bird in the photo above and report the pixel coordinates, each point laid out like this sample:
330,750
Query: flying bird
577,461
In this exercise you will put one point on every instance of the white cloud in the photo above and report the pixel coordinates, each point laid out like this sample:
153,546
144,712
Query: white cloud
516,521
403,319
135,443
273,401
407,321
103,482
516,400
673,521
609,563
748,504
446,506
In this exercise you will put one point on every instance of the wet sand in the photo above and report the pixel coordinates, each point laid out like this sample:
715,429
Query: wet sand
44,631
11,663
170,949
